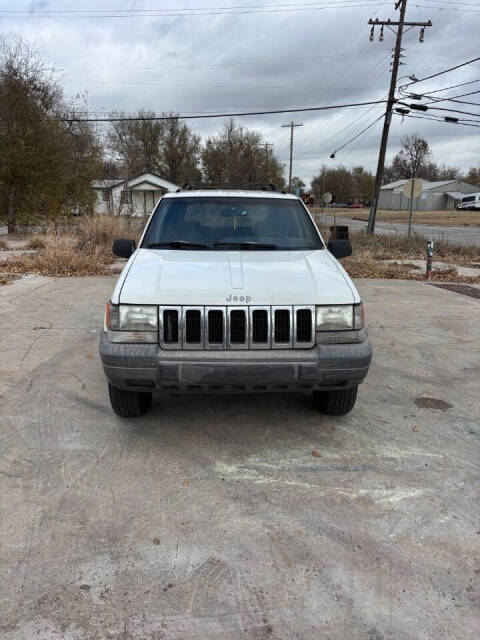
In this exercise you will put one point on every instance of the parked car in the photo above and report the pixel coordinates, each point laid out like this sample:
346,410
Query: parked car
234,291
340,205
356,205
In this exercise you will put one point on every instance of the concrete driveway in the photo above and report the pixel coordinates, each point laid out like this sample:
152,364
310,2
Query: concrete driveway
210,518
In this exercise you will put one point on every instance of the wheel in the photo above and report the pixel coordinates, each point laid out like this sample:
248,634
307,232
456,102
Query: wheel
129,404
337,402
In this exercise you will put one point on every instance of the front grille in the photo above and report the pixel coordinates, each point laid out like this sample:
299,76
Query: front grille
260,326
237,327
193,326
304,325
215,326
282,326
170,326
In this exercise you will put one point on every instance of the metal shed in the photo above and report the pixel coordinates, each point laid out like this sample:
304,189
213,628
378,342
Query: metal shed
435,196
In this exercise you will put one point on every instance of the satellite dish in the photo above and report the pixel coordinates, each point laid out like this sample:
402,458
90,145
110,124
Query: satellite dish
417,187
327,197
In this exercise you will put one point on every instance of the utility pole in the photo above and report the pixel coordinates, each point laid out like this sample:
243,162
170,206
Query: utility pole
267,166
291,125
323,187
391,94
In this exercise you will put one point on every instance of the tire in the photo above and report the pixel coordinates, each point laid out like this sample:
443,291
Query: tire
337,402
129,404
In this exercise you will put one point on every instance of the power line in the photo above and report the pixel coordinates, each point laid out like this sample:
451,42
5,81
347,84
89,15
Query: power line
464,124
449,2
420,107
435,75
238,87
348,4
465,113
454,86
226,64
221,115
358,135
228,8
314,149
454,99
447,8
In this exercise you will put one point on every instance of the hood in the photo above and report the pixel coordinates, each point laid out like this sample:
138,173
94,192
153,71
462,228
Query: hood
182,277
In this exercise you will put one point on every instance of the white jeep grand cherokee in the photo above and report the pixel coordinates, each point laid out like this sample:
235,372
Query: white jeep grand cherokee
233,291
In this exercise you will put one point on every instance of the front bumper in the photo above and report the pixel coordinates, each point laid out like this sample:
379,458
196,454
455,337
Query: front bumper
147,367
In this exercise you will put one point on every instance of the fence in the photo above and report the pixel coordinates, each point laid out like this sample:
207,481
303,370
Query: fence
466,236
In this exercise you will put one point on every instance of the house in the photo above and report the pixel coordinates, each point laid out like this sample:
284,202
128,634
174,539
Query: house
435,196
137,196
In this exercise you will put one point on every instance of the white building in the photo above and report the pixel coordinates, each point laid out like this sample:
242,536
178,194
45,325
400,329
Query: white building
435,196
137,196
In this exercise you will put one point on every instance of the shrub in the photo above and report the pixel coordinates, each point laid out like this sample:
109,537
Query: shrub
101,231
36,243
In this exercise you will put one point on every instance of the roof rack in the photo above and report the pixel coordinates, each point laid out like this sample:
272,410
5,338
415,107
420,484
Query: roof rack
247,186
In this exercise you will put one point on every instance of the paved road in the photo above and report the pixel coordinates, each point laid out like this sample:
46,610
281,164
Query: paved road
210,518
455,235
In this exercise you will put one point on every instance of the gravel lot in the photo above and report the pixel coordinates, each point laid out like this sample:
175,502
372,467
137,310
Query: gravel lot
211,517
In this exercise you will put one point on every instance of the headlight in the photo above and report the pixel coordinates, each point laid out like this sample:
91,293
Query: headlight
334,318
136,318
340,318
131,323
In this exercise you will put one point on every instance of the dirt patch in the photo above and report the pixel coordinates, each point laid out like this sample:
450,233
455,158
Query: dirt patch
463,289
432,403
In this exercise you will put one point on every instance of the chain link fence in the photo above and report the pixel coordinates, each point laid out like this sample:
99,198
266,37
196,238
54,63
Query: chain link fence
466,236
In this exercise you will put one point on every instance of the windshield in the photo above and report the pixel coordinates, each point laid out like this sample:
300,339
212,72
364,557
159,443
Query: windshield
223,223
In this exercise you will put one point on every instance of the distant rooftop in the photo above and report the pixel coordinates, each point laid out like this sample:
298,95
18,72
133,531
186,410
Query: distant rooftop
105,184
427,185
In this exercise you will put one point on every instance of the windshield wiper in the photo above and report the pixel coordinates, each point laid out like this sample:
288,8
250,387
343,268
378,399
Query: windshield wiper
177,244
245,245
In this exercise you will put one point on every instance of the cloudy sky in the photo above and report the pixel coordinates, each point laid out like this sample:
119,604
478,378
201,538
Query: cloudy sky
200,56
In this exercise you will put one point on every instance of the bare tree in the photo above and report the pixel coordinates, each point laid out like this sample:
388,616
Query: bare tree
238,156
473,176
166,147
45,165
415,151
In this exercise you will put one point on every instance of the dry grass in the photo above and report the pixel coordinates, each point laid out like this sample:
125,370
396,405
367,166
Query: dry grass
8,278
448,218
36,242
82,250
101,231
60,257
401,247
363,265
371,251
386,247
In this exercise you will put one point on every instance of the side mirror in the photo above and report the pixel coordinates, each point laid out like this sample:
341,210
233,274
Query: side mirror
340,247
124,248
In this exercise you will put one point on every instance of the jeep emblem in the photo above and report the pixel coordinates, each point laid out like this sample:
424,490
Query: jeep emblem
231,298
